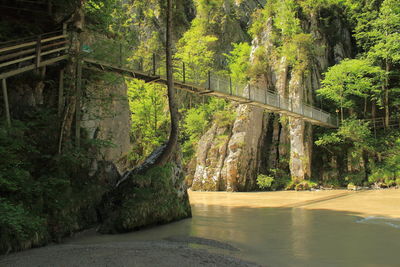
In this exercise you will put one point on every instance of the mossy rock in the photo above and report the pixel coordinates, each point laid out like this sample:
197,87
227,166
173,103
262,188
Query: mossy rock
156,196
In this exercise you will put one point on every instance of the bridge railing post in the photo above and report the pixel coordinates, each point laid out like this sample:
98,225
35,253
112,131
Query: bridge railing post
141,64
64,28
38,51
6,104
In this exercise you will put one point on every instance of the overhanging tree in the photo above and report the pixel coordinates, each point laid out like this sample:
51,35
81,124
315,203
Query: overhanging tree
172,144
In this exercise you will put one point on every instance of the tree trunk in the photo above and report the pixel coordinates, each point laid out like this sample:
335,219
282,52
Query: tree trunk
386,91
373,113
71,70
173,109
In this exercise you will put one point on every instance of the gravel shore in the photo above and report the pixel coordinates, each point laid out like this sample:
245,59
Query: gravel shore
174,252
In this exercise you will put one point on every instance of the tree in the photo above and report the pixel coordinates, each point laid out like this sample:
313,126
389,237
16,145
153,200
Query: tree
349,79
173,108
386,48
150,123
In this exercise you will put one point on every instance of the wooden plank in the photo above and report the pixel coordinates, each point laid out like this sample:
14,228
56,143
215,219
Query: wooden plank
17,54
53,60
6,104
46,40
31,43
16,61
54,50
10,48
32,67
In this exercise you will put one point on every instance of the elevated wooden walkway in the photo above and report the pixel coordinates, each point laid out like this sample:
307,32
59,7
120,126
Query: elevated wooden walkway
32,53
24,55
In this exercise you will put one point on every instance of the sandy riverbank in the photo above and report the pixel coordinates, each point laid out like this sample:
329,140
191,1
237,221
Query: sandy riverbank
365,203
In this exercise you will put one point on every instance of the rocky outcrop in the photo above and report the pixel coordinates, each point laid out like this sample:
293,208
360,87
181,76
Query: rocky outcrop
277,142
106,119
227,157
145,196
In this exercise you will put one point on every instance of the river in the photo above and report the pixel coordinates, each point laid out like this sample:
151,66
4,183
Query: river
326,228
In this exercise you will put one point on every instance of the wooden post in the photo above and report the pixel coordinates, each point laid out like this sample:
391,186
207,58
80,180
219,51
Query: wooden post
141,64
64,29
249,92
6,104
78,104
61,93
38,51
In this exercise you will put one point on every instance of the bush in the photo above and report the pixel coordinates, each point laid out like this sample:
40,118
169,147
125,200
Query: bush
18,226
264,181
355,178
301,185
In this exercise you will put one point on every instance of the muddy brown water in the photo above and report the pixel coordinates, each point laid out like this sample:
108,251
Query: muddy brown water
326,228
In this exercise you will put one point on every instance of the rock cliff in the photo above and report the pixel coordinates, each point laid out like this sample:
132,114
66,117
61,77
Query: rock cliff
258,141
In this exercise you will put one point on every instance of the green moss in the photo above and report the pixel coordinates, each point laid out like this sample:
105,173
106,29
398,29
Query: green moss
151,198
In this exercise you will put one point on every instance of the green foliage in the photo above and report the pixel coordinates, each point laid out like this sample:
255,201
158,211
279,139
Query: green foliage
301,185
276,179
264,181
198,119
19,226
351,132
385,34
388,171
239,62
101,14
42,194
194,48
149,198
286,19
150,117
351,79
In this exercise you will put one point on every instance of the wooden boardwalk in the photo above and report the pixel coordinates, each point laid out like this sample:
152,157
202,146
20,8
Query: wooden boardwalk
20,56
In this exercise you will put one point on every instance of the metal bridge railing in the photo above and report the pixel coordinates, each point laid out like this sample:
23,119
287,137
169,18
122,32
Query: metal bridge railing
121,54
